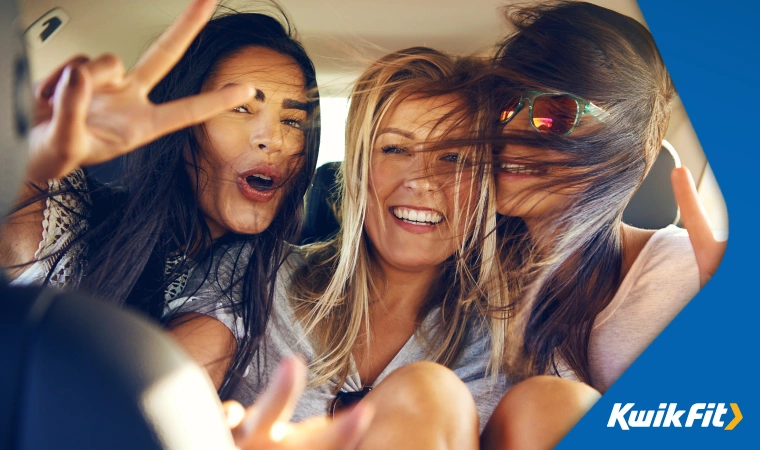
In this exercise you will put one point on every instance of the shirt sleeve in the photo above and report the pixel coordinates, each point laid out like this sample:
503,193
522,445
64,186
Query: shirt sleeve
214,289
65,218
662,280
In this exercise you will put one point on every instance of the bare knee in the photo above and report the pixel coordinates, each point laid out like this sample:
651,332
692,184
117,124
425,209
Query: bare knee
427,383
422,405
537,413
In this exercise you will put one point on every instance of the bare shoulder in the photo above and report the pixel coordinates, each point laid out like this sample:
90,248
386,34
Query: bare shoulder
20,235
634,241
207,340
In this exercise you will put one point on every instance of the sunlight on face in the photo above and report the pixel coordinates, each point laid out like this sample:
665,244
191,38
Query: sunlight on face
250,152
417,203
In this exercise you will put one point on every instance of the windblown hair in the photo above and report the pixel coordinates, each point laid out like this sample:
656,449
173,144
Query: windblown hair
333,292
156,213
568,268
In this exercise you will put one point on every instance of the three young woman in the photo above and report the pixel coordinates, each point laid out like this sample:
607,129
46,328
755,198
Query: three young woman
413,274
405,280
578,79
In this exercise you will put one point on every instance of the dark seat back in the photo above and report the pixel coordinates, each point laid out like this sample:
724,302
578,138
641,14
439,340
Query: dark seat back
84,374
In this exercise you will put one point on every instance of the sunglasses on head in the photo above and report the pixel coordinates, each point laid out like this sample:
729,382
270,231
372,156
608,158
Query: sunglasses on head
551,112
345,399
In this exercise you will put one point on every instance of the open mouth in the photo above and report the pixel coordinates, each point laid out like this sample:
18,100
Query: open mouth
260,182
417,216
263,177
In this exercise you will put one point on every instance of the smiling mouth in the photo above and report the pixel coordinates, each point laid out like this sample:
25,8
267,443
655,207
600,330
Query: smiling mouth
260,182
417,216
520,169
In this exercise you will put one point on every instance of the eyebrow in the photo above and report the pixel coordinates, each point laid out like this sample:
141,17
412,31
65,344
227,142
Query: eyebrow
294,104
398,131
286,104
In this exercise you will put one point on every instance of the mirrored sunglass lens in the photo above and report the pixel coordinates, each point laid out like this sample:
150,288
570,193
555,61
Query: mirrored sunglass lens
509,110
554,113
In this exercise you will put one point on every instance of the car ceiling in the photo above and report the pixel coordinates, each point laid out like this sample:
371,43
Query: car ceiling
341,36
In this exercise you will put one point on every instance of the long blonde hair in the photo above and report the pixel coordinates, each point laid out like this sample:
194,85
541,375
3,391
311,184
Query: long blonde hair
333,291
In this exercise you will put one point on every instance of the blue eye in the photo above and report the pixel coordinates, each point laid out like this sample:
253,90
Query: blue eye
453,157
393,150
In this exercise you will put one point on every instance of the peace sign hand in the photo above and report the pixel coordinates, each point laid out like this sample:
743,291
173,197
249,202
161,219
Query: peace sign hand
708,251
89,112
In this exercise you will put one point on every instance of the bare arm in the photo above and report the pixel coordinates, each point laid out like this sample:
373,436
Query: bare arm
208,341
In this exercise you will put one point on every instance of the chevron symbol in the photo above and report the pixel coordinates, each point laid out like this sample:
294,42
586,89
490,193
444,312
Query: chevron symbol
737,417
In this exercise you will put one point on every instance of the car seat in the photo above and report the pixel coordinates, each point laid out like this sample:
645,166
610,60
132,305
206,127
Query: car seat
78,373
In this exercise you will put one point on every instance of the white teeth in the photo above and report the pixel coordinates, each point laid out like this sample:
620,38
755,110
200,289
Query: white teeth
417,217
518,168
263,177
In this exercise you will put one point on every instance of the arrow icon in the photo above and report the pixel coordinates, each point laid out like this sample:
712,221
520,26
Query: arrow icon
737,417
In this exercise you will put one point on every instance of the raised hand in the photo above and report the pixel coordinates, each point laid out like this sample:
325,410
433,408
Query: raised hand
707,249
91,111
265,424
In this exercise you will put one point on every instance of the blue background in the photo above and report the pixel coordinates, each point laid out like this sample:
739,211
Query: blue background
709,352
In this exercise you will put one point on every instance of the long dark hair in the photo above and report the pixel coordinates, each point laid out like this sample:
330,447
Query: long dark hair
568,268
156,212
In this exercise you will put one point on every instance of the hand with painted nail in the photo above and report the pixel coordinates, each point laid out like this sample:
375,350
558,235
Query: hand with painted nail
265,425
708,250
91,111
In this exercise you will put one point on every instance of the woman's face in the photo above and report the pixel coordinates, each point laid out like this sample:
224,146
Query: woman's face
521,179
250,152
417,204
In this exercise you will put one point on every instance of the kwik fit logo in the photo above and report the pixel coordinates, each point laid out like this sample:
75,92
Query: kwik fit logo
668,415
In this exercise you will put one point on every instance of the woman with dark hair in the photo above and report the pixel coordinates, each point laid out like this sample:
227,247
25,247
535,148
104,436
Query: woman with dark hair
583,108
239,176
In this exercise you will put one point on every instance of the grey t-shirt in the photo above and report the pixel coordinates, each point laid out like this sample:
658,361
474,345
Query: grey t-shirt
285,336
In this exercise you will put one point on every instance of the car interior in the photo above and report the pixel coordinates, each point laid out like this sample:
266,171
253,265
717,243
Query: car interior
342,37
155,397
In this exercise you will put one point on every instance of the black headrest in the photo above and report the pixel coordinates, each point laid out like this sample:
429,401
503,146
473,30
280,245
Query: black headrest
320,221
654,204
84,374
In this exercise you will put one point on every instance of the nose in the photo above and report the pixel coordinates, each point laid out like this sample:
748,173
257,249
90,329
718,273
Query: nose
266,131
418,177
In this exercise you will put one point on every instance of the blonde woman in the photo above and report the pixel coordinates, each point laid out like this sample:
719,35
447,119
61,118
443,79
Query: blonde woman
393,310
